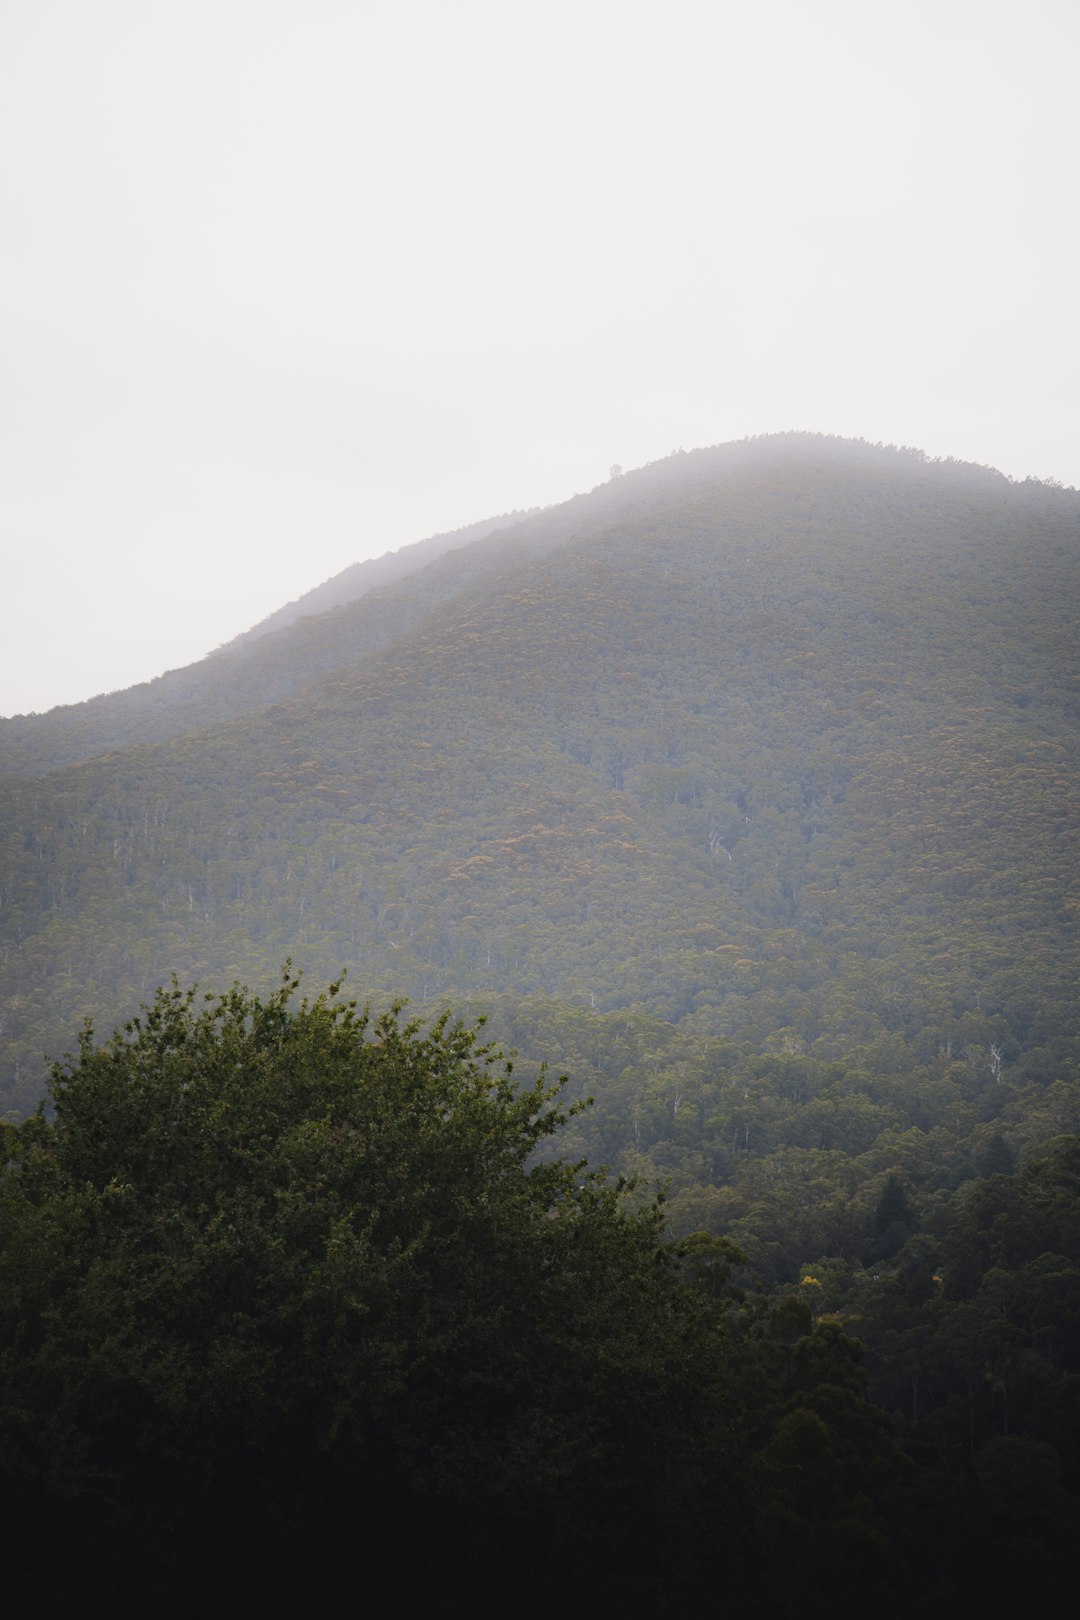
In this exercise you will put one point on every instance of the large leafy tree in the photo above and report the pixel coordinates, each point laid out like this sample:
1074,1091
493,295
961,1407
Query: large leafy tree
288,1293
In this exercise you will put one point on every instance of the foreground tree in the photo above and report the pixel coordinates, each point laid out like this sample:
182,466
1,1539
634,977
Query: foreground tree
288,1296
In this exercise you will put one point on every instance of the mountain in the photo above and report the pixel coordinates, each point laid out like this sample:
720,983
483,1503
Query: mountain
743,788
773,742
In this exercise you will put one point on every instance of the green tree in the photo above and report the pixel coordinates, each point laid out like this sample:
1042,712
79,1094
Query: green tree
893,1218
286,1289
994,1157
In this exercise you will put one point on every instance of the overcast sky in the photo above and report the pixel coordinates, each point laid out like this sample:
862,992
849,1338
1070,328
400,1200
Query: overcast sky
288,283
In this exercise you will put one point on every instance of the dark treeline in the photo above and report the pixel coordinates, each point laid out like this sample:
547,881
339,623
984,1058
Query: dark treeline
294,1312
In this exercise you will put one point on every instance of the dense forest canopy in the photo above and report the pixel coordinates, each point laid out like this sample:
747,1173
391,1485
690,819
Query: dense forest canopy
745,790
288,1295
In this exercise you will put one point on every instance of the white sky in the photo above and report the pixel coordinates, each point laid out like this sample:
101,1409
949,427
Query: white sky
287,283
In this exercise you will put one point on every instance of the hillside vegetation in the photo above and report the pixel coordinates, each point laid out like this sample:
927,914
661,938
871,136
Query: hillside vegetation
789,758
745,789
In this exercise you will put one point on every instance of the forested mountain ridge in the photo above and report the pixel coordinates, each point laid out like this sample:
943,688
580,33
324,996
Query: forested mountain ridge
747,791
794,749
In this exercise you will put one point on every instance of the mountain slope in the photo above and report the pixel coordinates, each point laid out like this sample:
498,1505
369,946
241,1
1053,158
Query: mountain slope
782,745
272,661
375,574
357,612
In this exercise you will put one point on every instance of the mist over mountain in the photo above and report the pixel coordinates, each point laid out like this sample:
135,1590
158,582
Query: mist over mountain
239,677
372,575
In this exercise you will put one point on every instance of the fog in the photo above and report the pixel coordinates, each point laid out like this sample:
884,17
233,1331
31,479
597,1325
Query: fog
287,285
